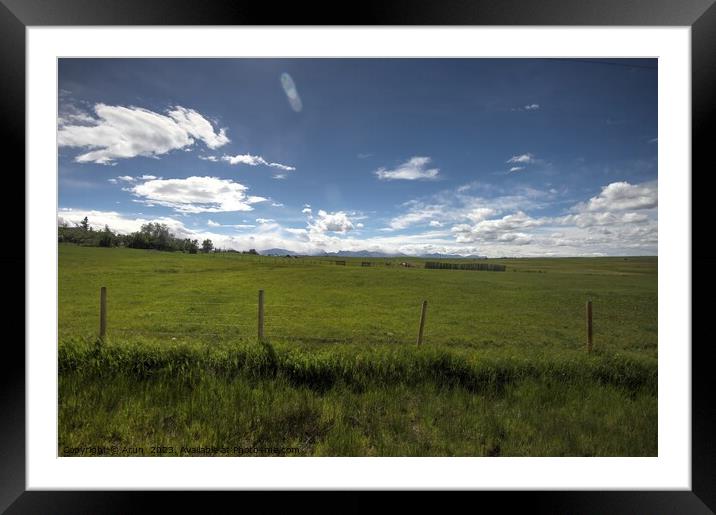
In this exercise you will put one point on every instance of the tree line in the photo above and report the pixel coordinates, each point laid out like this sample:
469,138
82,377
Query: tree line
154,236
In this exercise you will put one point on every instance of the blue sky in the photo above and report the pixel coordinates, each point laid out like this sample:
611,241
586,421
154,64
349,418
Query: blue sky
497,157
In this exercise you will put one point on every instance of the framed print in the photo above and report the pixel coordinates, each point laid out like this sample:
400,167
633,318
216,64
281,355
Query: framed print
431,247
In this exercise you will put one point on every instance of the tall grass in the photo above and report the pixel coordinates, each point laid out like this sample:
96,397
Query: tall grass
322,367
338,401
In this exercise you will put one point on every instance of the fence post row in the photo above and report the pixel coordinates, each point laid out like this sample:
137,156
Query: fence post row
421,328
261,315
589,326
102,312
422,321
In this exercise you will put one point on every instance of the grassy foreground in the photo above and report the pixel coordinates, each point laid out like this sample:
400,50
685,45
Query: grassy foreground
503,371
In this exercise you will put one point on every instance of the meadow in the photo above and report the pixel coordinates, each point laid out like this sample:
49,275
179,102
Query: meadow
502,370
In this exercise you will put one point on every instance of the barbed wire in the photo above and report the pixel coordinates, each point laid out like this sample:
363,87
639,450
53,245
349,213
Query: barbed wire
198,318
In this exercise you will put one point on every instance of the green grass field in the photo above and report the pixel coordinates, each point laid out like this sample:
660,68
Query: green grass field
502,371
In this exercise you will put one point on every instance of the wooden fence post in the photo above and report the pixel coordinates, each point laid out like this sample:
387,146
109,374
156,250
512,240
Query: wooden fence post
589,326
422,322
102,312
261,315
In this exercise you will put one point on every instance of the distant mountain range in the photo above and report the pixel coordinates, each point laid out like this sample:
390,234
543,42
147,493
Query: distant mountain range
367,253
278,252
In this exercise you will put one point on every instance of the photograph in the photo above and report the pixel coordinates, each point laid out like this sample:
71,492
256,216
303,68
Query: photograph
357,257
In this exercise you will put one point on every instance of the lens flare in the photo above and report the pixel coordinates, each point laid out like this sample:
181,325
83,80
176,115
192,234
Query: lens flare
289,87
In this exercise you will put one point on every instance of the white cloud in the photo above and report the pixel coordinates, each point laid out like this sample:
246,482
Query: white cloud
620,221
331,222
70,113
126,178
199,127
418,214
306,211
413,169
532,107
119,132
248,159
113,181
148,177
621,196
517,168
197,194
212,223
522,159
280,176
213,159
446,209
479,214
276,204
515,238
265,221
502,229
592,219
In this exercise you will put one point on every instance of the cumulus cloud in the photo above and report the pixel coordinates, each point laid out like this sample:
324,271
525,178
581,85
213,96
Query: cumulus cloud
445,209
505,229
418,214
331,222
198,127
197,194
620,220
621,196
479,214
248,159
413,169
117,132
592,219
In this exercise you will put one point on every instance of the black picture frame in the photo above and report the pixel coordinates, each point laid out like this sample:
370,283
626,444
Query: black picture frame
700,15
